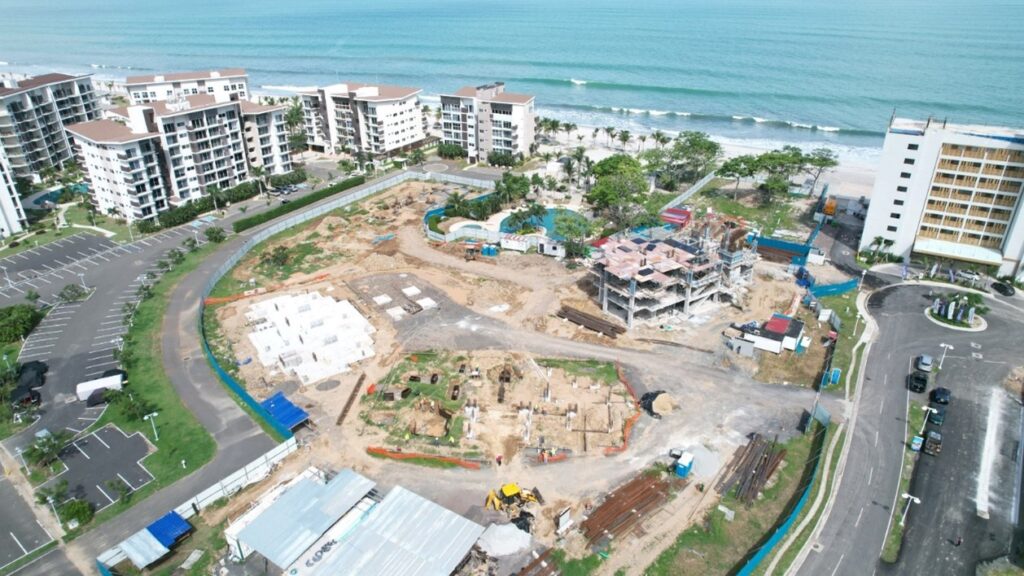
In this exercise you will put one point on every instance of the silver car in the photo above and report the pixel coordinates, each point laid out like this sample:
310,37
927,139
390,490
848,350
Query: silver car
924,363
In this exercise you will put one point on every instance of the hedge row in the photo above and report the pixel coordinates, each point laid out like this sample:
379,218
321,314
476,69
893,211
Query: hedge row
293,177
282,209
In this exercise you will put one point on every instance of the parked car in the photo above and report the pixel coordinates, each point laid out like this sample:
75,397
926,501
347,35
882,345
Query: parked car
924,363
1004,289
23,397
933,443
941,395
937,414
115,372
284,201
32,375
917,381
968,275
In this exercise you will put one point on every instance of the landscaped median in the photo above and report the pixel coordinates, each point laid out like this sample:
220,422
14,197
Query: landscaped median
916,415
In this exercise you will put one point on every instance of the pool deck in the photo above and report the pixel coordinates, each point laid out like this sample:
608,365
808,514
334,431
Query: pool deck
493,224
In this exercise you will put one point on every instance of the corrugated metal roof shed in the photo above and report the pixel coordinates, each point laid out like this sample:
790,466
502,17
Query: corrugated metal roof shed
301,515
405,535
142,548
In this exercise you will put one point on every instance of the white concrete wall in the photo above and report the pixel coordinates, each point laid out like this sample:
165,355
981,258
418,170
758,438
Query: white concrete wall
12,215
169,90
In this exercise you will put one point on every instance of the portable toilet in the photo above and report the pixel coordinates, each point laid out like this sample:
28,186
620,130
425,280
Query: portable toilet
684,464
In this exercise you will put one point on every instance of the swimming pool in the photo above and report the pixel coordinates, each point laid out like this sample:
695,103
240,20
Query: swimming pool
548,222
54,196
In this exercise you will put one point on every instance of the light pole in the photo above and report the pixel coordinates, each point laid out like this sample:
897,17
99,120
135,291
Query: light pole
927,410
910,500
152,420
945,348
860,284
7,276
21,456
81,279
855,323
53,507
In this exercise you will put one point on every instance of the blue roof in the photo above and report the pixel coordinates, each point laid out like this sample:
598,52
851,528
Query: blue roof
281,409
169,528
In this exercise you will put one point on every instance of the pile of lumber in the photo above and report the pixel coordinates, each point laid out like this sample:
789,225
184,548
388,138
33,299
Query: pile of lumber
624,508
750,468
591,322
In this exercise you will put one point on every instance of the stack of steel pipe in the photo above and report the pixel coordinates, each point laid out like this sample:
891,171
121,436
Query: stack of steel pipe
750,468
591,322
624,508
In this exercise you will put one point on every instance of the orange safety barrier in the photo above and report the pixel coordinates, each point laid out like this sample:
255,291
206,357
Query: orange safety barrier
545,459
625,382
626,431
384,452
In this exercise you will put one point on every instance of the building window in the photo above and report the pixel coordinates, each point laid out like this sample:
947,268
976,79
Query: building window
894,215
891,228
912,146
897,202
909,161
901,188
904,174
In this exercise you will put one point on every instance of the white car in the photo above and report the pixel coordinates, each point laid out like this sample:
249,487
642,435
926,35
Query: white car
968,275
924,363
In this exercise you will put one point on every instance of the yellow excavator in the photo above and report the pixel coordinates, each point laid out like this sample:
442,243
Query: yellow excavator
512,496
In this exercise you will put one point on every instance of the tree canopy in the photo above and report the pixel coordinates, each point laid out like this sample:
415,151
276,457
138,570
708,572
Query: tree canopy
617,164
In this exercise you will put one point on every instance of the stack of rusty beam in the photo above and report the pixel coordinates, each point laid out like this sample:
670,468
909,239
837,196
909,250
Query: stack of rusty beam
543,565
591,322
750,468
624,507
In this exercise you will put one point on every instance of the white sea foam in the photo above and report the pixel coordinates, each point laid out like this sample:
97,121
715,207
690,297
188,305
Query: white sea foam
739,117
2,63
578,82
759,120
636,111
286,88
659,113
799,125
827,128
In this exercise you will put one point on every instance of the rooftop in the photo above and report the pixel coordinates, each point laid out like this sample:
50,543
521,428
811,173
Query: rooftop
905,125
185,76
405,535
107,131
372,92
36,82
254,108
493,93
644,260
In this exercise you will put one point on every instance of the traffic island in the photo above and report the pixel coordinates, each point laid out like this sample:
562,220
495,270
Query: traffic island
916,415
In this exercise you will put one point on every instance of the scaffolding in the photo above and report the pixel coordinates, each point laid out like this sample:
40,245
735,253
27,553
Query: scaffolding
648,280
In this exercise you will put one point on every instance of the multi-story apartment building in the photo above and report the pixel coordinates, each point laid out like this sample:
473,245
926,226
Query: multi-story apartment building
123,164
373,119
233,82
12,215
266,137
487,119
950,191
33,115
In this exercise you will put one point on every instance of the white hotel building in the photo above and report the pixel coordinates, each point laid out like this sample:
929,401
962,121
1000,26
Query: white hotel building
374,119
950,191
487,119
266,137
232,82
33,115
12,215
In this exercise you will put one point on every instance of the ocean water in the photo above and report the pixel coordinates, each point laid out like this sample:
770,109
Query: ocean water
763,71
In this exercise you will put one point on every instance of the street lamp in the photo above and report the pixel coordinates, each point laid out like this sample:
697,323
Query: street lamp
21,455
860,284
7,276
53,507
910,500
855,323
81,279
945,348
152,420
927,410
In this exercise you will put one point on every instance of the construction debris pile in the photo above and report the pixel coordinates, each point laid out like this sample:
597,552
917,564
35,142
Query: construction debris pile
590,322
750,468
624,508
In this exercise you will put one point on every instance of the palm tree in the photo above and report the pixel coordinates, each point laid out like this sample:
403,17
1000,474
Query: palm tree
596,132
624,137
418,157
643,139
457,204
569,165
878,242
294,117
259,174
579,154
660,138
568,127
610,131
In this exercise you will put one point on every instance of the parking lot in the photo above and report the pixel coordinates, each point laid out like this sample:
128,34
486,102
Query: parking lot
98,462
20,533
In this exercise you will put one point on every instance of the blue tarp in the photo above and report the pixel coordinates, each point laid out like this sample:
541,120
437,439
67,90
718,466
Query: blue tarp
288,415
169,528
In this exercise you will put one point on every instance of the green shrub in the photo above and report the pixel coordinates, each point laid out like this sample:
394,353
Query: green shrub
293,177
76,510
501,159
18,321
450,151
282,209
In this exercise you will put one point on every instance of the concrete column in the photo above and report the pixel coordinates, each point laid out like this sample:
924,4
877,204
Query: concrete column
604,290
632,303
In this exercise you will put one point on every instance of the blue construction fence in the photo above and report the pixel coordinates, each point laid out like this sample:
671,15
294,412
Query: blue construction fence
834,289
783,530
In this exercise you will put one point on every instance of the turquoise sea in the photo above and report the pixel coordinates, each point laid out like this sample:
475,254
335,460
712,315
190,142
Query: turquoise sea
761,70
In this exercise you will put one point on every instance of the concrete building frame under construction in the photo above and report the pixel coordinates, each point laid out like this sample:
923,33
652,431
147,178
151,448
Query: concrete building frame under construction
642,280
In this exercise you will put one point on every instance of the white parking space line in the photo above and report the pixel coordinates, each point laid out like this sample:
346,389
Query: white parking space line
125,481
104,493
34,348
110,322
106,343
75,444
101,440
76,431
43,278
39,340
108,329
13,537
113,315
104,363
47,248
29,283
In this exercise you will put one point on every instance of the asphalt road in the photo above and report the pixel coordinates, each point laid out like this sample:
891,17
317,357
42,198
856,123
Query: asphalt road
21,534
852,538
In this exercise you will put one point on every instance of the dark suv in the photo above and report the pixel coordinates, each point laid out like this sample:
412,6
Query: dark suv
917,381
937,414
941,395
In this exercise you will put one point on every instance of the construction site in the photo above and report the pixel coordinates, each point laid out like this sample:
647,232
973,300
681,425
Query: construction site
651,279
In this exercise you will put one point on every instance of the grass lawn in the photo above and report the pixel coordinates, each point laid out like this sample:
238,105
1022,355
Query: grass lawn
596,369
7,425
576,567
426,462
719,547
845,306
894,539
182,437
79,215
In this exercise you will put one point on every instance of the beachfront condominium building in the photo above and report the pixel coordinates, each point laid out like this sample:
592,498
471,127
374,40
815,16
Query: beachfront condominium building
12,215
950,191
147,158
266,137
232,82
33,115
372,119
487,119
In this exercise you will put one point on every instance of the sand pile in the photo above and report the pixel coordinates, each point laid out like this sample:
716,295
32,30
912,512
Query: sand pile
664,404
